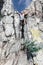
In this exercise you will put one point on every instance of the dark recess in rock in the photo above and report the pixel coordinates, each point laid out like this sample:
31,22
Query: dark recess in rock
1,4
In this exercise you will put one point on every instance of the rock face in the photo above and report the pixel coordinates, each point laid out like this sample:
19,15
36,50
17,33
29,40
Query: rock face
9,29
16,24
41,26
10,34
39,58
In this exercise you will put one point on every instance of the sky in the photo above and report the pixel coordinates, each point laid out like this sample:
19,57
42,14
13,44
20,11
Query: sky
20,5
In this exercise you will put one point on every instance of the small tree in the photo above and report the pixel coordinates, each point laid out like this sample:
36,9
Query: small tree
30,47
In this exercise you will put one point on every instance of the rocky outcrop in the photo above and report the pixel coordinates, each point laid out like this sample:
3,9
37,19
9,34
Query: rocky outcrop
10,34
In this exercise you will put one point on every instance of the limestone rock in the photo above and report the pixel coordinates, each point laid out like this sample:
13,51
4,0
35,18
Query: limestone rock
9,62
9,29
7,7
7,20
16,47
16,24
41,26
0,52
39,58
9,44
4,37
16,19
0,37
23,59
41,35
1,28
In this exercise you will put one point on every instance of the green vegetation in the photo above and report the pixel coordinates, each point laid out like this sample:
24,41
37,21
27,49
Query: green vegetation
32,47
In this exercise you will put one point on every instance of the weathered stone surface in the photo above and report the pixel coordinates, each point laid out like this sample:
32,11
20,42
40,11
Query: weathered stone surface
39,58
2,62
9,62
23,59
1,29
0,37
41,26
41,35
7,7
10,44
7,19
16,24
9,29
16,19
0,52
4,37
16,47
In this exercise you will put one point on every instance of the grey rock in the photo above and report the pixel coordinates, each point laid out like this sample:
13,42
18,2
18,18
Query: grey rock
7,19
39,58
9,62
4,37
23,59
9,29
16,24
0,37
16,47
41,26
